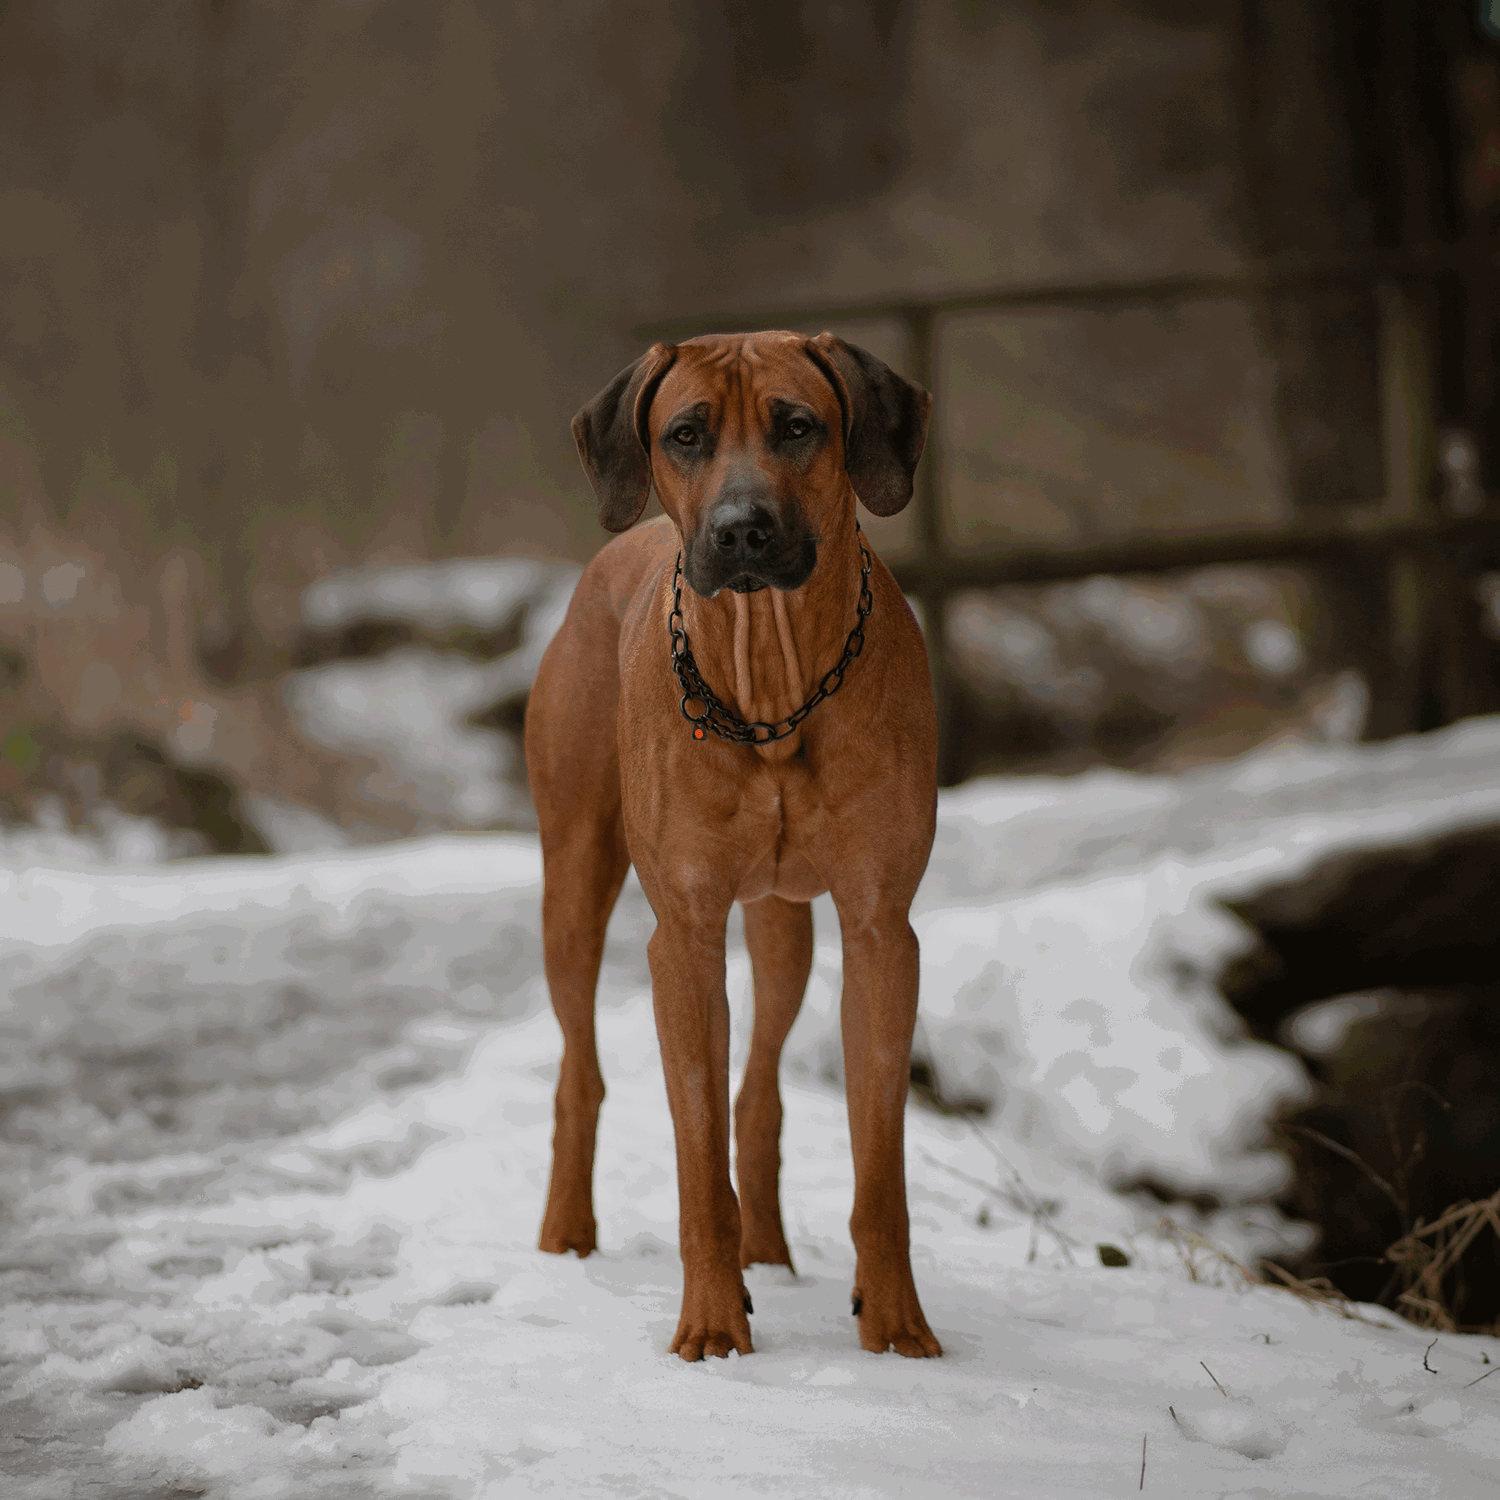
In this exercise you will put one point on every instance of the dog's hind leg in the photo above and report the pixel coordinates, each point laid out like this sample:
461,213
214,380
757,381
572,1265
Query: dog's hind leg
583,870
779,935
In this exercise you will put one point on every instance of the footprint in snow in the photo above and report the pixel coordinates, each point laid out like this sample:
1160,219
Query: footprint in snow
1233,1422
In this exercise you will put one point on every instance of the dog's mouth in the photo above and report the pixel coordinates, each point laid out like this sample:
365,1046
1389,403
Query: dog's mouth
789,568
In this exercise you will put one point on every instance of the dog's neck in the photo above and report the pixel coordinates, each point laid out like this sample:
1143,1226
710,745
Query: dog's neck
764,653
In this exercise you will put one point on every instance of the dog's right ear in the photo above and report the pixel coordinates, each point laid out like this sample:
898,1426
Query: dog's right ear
614,440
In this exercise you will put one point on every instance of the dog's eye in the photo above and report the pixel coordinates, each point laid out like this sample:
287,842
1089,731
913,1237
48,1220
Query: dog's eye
684,435
798,428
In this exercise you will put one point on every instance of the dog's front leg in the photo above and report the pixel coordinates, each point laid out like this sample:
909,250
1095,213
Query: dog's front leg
878,1013
692,1023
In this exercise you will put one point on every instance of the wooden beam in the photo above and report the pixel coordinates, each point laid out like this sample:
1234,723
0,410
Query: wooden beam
1368,531
1406,401
1284,275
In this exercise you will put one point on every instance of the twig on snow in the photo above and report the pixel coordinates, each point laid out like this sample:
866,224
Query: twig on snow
987,1188
1038,1208
1142,1484
1215,1379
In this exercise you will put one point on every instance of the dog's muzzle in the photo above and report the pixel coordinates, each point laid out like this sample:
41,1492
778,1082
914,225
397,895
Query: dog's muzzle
743,546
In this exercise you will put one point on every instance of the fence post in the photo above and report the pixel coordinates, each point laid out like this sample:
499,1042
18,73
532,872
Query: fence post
1407,437
928,500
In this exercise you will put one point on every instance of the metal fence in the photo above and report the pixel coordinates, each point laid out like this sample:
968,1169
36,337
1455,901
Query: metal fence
1406,527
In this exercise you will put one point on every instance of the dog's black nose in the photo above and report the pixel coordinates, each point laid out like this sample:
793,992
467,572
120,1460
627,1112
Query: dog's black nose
740,526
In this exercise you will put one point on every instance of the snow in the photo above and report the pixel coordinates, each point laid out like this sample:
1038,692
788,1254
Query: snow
1321,1028
411,708
1157,630
482,592
115,838
1235,1422
1273,646
279,1136
1071,933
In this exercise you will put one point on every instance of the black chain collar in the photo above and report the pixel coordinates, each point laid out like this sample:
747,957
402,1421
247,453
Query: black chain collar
729,726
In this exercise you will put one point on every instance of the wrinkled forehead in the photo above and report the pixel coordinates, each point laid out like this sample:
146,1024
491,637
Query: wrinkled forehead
742,375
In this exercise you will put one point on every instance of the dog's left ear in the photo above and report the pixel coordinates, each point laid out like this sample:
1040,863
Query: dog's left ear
614,440
885,422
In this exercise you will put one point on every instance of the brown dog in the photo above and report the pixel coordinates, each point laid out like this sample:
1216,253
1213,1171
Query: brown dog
758,445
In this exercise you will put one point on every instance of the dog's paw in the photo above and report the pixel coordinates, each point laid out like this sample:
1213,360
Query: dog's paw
765,1250
564,1232
558,1245
894,1323
712,1326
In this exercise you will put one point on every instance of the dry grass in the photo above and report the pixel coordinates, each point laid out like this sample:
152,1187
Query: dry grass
1427,1258
1207,1262
1202,1260
1319,1290
1426,1282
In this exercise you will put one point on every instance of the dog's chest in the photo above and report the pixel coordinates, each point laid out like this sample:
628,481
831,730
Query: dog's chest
781,824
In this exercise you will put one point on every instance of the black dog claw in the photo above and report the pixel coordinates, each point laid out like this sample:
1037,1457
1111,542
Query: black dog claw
749,1305
856,1307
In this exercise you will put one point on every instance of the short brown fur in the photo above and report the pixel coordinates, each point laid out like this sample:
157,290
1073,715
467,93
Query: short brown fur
845,804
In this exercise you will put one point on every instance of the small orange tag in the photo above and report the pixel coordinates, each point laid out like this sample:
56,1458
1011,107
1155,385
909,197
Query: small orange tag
697,734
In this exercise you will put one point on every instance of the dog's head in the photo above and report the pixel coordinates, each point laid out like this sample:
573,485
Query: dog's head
754,442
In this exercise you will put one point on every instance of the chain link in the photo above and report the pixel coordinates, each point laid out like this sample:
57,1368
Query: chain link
722,721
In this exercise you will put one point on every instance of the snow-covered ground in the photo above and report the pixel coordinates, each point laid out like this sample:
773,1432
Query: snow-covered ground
278,1136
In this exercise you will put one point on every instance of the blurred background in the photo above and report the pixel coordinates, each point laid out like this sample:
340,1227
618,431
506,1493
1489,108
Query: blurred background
296,303
297,300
